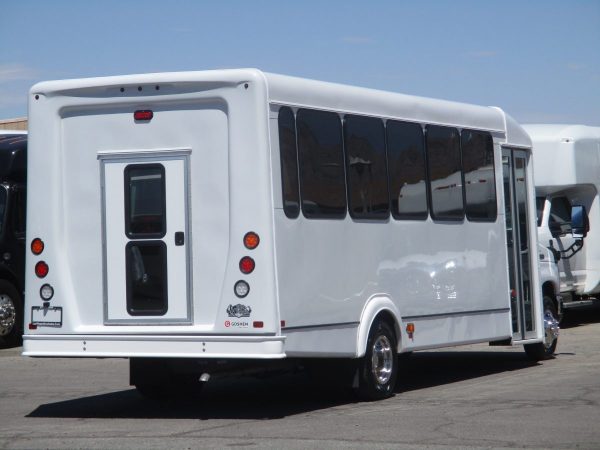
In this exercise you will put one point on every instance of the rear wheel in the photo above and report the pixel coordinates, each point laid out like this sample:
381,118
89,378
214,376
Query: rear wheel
545,350
11,315
378,369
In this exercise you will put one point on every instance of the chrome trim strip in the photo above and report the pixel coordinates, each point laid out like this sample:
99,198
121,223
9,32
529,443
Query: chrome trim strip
459,313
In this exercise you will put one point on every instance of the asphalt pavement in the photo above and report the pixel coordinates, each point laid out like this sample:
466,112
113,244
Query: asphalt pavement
465,397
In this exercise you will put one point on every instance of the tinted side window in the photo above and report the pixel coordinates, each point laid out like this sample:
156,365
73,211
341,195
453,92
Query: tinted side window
480,179
366,167
406,160
289,162
320,154
443,156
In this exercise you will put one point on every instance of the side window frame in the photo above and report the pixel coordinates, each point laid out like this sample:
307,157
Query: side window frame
291,212
340,210
468,211
435,215
427,206
370,215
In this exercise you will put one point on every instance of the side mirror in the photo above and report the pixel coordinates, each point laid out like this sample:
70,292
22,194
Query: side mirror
580,224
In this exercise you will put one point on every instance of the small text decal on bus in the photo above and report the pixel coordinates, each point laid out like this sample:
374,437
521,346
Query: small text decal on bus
237,324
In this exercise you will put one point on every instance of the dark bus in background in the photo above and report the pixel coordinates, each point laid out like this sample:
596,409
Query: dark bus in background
13,177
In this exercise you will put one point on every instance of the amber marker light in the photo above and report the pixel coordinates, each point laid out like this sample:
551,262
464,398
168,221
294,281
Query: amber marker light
251,240
37,246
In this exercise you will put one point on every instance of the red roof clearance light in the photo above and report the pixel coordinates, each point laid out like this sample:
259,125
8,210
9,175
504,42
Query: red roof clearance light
143,115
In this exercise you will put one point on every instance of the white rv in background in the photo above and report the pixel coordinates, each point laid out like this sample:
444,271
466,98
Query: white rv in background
567,183
184,220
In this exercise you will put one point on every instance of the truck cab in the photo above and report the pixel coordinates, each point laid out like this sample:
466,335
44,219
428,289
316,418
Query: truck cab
13,164
567,162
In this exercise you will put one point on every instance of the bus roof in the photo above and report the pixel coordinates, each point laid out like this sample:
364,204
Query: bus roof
358,100
299,92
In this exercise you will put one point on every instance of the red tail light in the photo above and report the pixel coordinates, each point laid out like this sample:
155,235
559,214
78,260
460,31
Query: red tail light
41,269
247,265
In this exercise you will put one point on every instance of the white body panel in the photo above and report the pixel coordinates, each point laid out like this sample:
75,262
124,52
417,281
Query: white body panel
567,164
326,280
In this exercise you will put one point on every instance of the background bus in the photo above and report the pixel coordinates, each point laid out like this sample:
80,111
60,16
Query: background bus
13,174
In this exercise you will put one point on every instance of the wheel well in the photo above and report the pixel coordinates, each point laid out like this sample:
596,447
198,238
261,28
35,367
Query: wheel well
6,275
387,317
548,289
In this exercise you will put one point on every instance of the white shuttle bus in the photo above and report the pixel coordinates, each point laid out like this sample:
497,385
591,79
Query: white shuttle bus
184,220
567,184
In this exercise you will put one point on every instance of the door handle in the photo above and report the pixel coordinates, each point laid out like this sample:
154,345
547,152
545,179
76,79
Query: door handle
179,238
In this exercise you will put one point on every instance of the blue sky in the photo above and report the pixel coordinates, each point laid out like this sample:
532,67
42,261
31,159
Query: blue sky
538,60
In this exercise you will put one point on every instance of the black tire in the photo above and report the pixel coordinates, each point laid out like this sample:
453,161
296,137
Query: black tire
545,350
379,367
11,313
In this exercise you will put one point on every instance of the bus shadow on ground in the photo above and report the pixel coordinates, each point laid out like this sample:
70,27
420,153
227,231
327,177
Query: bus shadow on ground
435,368
283,395
578,317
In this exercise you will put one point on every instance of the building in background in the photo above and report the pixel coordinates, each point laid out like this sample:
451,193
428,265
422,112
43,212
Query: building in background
13,124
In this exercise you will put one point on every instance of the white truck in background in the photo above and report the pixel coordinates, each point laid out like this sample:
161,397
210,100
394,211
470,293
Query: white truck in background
567,183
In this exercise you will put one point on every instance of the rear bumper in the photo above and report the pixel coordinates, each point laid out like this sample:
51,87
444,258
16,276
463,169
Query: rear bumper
126,346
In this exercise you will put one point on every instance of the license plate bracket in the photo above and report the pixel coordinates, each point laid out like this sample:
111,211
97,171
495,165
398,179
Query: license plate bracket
50,316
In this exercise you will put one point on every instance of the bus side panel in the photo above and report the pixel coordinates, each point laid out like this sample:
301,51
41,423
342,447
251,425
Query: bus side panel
448,278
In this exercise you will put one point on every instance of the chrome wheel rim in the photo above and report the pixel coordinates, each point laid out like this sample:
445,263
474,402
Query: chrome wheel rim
551,329
382,360
8,315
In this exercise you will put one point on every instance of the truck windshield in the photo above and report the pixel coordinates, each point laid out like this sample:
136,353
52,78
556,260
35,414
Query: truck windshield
539,206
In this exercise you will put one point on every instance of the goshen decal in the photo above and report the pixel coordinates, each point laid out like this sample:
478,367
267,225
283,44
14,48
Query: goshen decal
237,324
238,311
